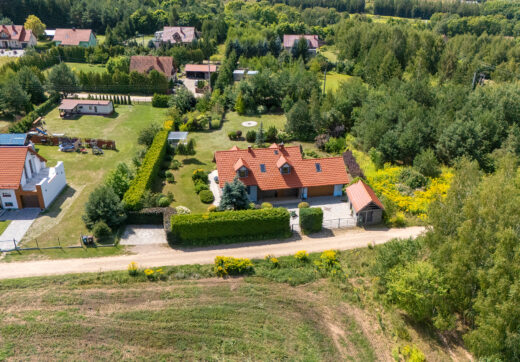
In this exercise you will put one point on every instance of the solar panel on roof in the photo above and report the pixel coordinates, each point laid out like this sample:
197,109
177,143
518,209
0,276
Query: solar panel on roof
13,139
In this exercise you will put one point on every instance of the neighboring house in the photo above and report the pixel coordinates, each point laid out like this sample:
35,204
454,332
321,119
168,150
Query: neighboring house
199,71
174,138
365,206
25,181
49,34
14,139
312,41
69,107
240,74
16,37
146,63
74,37
281,172
175,35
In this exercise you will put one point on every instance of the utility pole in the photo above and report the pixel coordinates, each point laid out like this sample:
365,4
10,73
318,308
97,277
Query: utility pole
209,72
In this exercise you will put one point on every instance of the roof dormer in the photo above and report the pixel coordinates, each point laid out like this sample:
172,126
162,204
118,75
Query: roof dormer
283,165
241,168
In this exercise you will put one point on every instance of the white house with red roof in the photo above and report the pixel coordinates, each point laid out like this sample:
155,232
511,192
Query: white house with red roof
16,37
69,107
25,181
175,35
281,172
365,205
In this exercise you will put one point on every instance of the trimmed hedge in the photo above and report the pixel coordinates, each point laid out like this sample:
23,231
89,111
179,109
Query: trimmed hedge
25,124
206,196
151,215
160,100
311,219
147,173
230,226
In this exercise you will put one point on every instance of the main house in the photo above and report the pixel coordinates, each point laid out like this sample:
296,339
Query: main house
74,37
366,207
146,63
313,42
70,107
175,35
16,37
25,181
281,172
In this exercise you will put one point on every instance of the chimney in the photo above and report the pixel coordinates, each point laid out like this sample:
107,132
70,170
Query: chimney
280,146
73,29
250,148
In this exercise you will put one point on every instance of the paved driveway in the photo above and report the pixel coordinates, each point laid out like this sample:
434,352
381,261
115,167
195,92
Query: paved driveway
154,257
21,221
143,235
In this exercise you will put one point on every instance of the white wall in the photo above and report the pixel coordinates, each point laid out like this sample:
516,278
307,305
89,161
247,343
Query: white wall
91,109
53,185
37,166
10,198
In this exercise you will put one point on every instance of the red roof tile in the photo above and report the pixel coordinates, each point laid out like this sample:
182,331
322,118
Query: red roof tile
312,40
361,195
12,160
181,34
239,164
203,68
147,63
16,32
72,36
303,173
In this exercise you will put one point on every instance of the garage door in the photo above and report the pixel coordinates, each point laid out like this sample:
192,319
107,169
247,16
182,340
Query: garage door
320,191
30,201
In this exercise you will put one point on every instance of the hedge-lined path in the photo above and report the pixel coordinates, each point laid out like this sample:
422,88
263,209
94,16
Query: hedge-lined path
163,255
138,99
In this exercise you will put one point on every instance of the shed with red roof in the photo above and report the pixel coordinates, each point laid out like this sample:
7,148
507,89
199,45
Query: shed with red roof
365,205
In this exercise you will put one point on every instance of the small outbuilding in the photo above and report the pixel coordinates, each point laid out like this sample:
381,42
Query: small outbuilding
70,107
199,71
174,138
240,74
365,206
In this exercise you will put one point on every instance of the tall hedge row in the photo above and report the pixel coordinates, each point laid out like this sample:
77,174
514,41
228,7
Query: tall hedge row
147,172
230,226
311,219
25,124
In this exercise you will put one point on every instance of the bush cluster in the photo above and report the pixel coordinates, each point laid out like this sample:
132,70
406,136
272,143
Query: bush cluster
147,172
160,100
230,226
311,219
151,215
26,122
225,265
206,196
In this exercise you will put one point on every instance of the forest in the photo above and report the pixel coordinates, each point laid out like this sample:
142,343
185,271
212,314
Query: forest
427,86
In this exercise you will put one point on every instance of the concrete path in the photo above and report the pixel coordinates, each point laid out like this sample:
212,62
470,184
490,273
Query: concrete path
21,221
214,187
154,257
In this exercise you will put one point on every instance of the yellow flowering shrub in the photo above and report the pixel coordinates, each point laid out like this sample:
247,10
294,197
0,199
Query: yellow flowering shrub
225,265
385,183
133,269
302,255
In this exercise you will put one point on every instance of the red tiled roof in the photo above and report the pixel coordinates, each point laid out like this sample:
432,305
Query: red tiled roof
361,195
200,68
186,34
12,160
70,104
313,40
147,63
16,32
239,164
303,171
72,36
281,161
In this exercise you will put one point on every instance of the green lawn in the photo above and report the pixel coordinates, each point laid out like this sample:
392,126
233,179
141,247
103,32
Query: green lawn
334,80
87,68
85,171
143,40
5,60
3,226
330,52
207,143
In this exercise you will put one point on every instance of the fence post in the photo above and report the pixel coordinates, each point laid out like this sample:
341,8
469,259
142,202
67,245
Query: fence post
38,246
339,222
15,247
59,242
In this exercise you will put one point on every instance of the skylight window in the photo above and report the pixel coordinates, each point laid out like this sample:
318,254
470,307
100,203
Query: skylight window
275,152
262,167
318,167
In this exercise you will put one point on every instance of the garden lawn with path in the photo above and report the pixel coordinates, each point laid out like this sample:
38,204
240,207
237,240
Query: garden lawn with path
3,226
207,142
84,173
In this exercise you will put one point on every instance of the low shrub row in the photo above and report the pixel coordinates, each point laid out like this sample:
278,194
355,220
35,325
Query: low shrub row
311,219
147,173
226,265
26,122
230,226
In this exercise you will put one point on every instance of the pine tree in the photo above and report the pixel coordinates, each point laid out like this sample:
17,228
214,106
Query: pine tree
240,106
234,196
260,135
